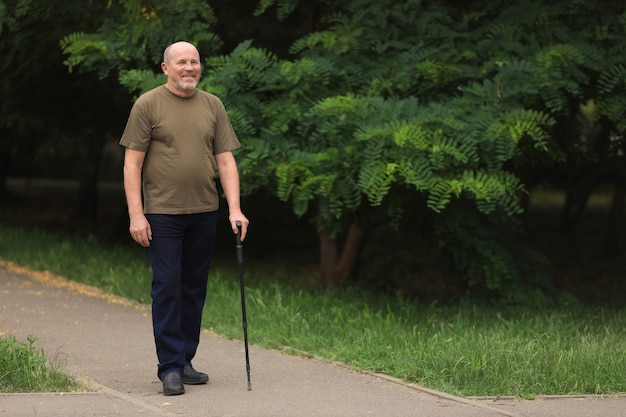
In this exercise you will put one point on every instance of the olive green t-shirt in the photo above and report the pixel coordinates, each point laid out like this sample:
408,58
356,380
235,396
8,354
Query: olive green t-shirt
181,137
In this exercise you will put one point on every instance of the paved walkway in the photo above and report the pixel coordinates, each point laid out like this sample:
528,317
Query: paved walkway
107,342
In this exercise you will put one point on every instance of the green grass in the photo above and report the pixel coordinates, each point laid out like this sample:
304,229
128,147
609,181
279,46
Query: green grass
468,349
25,368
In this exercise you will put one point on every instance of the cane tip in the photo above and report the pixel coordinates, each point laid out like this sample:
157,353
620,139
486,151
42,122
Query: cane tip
249,386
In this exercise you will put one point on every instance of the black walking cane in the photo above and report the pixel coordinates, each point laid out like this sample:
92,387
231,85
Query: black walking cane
239,247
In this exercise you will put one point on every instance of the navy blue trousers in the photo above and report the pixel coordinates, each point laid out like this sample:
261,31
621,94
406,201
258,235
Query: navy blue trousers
180,256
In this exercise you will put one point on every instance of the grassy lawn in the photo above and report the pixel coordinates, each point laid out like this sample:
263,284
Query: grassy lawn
466,349
25,368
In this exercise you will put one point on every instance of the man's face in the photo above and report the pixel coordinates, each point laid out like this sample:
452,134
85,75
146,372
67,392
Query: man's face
182,69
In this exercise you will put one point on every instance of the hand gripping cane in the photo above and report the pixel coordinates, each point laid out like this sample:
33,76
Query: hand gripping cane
239,247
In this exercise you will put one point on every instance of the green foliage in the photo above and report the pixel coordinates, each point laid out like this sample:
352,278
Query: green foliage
140,80
283,7
18,28
25,368
133,36
612,101
492,91
487,251
84,49
391,98
41,135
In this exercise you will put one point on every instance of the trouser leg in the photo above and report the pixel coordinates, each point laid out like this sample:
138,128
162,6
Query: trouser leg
180,254
196,261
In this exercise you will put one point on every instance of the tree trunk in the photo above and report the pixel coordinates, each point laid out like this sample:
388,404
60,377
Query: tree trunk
329,253
336,266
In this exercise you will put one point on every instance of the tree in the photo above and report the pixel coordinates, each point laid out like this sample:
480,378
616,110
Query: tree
392,108
49,113
22,42
405,97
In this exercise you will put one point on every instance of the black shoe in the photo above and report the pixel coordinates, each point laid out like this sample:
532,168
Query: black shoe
173,384
193,377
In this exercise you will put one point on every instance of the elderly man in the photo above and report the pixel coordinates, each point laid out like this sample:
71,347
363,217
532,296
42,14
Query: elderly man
177,137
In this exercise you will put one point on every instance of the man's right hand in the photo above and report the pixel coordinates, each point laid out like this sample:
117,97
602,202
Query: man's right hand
139,227
140,230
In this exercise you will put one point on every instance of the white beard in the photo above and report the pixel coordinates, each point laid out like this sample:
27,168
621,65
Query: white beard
187,86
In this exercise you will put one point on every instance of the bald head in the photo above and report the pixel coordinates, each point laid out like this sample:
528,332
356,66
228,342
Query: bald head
181,66
177,46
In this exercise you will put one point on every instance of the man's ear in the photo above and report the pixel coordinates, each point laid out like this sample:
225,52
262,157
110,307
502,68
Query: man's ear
164,68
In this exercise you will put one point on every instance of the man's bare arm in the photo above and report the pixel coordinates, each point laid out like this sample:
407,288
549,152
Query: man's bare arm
139,227
229,178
